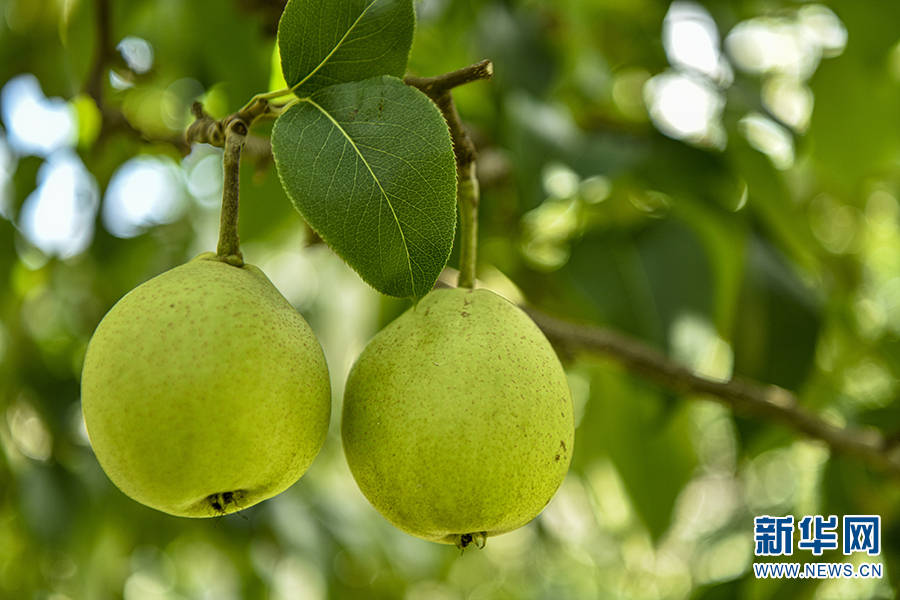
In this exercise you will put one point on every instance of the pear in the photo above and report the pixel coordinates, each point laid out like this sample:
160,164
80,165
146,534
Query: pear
204,391
457,418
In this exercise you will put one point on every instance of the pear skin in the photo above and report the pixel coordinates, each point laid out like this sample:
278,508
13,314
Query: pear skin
457,418
204,391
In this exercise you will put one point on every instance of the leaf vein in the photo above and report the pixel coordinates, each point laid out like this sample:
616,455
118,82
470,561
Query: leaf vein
384,194
336,46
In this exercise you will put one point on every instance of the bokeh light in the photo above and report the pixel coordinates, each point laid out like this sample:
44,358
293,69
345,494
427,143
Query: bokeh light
686,107
58,217
143,192
35,124
137,52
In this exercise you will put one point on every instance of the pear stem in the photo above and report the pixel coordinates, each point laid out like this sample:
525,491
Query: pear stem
229,248
467,191
467,199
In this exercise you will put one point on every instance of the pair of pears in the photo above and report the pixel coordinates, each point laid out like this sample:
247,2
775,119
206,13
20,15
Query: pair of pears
205,392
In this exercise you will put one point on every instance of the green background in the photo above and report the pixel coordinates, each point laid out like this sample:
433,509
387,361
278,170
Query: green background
759,238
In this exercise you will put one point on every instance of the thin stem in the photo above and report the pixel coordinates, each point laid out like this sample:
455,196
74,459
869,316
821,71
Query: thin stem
467,200
229,248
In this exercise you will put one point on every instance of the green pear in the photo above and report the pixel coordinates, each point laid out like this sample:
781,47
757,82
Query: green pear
457,418
204,391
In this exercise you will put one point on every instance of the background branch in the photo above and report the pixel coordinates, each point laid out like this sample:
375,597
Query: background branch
112,119
769,402
103,52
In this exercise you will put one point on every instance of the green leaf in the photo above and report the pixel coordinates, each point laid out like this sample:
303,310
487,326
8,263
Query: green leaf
370,166
326,43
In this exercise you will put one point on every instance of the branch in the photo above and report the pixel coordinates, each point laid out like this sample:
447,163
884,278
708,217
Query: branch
769,402
438,88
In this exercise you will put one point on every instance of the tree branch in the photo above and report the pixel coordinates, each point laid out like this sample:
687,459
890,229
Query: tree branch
439,88
769,402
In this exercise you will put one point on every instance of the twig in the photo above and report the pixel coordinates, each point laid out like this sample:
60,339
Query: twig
436,86
439,90
744,396
206,130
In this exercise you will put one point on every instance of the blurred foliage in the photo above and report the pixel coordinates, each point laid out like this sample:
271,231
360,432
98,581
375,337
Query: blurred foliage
719,179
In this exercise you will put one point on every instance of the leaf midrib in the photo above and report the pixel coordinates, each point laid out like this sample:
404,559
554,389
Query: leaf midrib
384,194
336,46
